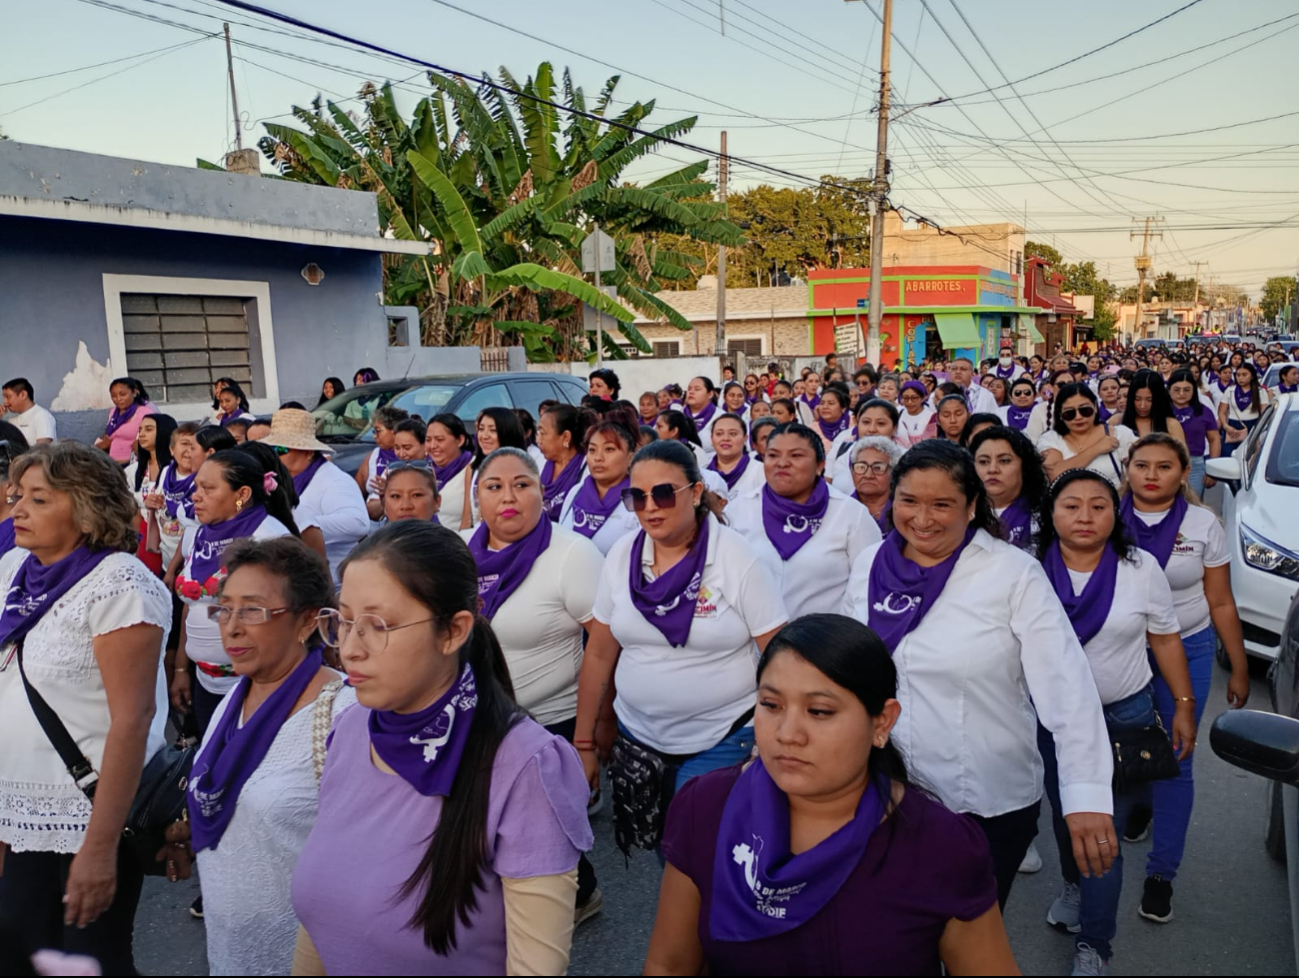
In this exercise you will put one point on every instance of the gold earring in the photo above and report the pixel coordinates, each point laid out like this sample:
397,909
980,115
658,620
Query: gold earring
239,505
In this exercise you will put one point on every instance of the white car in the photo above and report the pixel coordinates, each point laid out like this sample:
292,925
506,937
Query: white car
1260,510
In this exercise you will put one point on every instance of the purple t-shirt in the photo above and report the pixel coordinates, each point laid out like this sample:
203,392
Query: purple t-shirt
922,866
373,828
1196,428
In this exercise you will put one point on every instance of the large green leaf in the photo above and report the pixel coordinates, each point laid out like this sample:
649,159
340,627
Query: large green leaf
511,218
470,265
458,216
536,277
648,200
650,304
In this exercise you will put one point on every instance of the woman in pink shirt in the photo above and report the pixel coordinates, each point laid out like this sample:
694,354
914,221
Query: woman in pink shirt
130,406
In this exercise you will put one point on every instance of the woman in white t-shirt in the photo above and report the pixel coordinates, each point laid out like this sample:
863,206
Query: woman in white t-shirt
916,422
740,471
674,425
684,607
594,507
1078,438
1118,602
809,530
451,451
875,417
234,499
1188,541
1242,404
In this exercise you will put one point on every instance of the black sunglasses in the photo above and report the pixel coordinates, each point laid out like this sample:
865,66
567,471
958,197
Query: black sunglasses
664,496
1086,411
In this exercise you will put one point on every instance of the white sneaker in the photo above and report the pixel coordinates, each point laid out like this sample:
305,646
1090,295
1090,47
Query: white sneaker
1066,910
1032,861
1088,961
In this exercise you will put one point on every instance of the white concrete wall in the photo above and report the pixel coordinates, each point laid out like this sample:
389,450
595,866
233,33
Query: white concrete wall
644,374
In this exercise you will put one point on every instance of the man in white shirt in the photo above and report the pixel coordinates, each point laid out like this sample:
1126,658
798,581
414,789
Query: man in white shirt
961,371
36,423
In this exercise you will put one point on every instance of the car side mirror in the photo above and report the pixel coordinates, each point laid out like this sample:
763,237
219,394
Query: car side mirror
1224,469
1261,743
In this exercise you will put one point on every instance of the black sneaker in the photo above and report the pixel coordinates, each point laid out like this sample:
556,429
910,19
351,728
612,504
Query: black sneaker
1157,900
1138,827
196,908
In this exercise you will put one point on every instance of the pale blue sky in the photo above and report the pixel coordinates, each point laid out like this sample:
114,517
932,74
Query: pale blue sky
802,105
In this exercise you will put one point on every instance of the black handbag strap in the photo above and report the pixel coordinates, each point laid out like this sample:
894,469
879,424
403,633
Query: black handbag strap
78,765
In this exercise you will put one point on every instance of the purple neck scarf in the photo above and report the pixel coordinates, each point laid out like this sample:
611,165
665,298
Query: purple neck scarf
760,888
36,587
424,748
668,601
554,490
500,572
212,539
1087,611
6,536
1017,417
1160,538
900,592
1017,524
789,525
177,493
885,520
384,458
1223,381
703,417
225,419
1287,388
1104,412
303,478
445,473
120,417
833,430
232,752
590,511
1244,398
813,402
753,398
1005,373
733,476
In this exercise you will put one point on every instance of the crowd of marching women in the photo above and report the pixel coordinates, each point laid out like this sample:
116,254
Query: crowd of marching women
827,641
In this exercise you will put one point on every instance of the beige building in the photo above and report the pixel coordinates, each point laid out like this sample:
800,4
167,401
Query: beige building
762,322
998,246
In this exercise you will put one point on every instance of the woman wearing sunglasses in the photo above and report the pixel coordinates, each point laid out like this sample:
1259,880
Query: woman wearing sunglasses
809,530
683,608
254,784
1078,438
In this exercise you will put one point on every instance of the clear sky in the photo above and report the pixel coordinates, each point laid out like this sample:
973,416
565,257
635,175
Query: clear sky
794,84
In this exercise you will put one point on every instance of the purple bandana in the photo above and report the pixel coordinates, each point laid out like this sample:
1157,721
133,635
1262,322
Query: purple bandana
733,476
1244,398
1087,611
1159,539
177,493
885,520
1103,412
1223,381
555,490
1017,417
36,587
1287,388
303,478
424,748
384,458
232,752
900,592
590,511
500,572
1005,373
703,417
212,539
812,402
6,536
760,888
833,430
1017,524
668,602
225,419
445,473
120,417
753,398
789,525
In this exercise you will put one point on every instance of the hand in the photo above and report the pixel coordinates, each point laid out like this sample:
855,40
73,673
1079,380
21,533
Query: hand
1088,829
375,484
1108,443
153,501
1238,688
1210,482
181,696
1184,730
591,765
103,442
92,881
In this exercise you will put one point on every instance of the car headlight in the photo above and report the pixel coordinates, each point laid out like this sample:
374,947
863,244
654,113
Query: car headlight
1267,556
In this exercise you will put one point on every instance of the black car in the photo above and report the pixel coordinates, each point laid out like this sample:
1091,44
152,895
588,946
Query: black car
344,421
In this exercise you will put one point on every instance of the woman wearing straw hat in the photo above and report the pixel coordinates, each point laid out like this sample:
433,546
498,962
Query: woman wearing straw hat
327,496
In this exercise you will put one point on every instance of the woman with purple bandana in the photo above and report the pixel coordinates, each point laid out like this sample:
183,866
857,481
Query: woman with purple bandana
561,436
684,607
594,507
1013,477
455,819
701,406
130,406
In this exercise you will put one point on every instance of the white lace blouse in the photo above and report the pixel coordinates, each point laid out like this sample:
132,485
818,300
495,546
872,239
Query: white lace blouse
41,809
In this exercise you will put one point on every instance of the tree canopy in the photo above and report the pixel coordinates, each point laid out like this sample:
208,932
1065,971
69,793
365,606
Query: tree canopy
1278,292
1081,278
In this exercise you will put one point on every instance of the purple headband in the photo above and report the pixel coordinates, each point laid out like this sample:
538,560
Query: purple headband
915,385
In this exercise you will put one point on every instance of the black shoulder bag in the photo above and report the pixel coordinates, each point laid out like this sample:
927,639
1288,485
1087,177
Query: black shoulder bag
159,800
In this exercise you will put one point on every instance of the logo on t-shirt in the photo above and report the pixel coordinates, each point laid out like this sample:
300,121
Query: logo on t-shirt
898,604
705,607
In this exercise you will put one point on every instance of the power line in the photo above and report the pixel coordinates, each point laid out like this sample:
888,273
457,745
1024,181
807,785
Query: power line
100,64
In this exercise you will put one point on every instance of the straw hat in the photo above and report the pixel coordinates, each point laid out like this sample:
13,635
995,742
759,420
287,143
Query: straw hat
295,428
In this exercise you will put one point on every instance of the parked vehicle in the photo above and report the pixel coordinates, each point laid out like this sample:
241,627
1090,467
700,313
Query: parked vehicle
344,421
1258,512
1273,375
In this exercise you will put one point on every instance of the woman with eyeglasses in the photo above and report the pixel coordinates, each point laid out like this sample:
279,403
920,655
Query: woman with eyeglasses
254,785
1080,440
408,436
809,530
873,459
451,450
753,392
1242,404
1148,407
1013,477
683,607
731,459
917,420
874,417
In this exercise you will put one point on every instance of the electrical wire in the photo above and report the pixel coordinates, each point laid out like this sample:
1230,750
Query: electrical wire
100,64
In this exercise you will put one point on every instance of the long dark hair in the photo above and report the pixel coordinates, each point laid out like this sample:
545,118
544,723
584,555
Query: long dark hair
890,409
221,383
166,426
948,457
1254,402
1032,474
685,428
138,392
1161,405
12,444
214,438
453,423
1066,391
240,467
509,432
437,569
974,420
1120,539
238,392
336,383
676,454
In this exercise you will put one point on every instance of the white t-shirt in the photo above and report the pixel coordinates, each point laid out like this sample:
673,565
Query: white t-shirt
685,700
1201,542
451,509
618,523
332,502
1110,465
35,423
753,479
1142,603
815,578
540,629
1039,421
911,427
1248,414
203,635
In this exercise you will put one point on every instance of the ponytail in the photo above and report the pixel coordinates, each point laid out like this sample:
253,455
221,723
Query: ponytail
280,500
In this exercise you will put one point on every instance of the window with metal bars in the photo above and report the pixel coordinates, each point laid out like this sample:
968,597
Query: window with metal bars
667,348
177,345
748,347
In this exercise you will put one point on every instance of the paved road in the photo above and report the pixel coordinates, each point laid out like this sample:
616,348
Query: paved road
1231,900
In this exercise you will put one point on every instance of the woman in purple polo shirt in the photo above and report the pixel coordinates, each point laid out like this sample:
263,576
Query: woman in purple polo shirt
772,866
1199,423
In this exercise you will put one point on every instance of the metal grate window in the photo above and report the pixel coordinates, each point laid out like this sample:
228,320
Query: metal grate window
667,348
177,345
748,347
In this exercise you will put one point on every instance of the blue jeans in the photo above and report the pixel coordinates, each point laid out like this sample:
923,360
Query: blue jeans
731,750
1172,799
1099,914
1196,478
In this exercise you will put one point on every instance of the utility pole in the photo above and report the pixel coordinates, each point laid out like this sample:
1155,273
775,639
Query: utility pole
719,344
234,99
1143,266
880,193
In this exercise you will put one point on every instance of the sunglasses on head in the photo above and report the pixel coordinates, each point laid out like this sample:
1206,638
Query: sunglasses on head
1086,411
664,496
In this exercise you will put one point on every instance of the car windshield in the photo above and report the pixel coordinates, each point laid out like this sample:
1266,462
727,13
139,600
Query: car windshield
1273,376
347,416
1283,464
425,401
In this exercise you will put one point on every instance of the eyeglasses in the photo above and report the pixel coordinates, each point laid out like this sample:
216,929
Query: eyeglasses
281,450
371,630
1086,411
876,468
419,465
664,496
245,616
